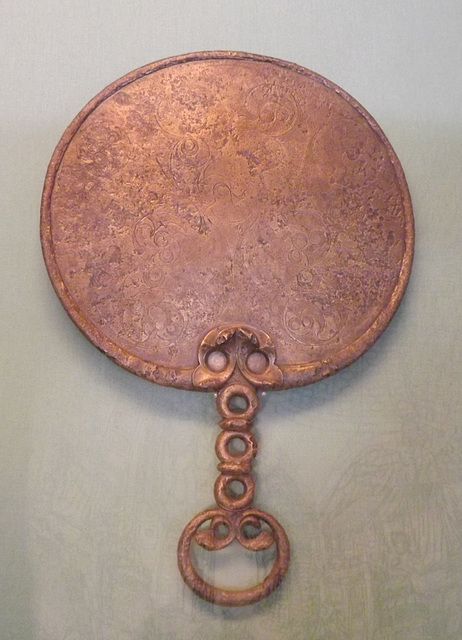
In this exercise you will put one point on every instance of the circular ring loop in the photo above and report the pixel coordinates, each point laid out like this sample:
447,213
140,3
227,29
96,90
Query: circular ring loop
222,447
227,597
228,502
226,395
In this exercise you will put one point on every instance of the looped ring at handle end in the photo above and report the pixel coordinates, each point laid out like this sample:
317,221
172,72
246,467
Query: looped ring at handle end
234,523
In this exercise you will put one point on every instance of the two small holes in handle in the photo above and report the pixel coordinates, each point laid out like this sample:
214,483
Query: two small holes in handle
256,362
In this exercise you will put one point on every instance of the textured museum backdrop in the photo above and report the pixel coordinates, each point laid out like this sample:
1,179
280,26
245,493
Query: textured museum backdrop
100,470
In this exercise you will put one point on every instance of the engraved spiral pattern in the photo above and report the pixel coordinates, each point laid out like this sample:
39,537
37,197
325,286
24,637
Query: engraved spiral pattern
227,188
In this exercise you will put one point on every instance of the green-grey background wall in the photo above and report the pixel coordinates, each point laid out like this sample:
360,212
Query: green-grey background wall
100,470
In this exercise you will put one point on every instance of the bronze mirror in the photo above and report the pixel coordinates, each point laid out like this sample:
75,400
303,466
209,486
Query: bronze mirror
235,223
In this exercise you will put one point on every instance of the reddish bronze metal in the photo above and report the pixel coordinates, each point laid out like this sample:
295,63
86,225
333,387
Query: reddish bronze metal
234,511
220,188
236,197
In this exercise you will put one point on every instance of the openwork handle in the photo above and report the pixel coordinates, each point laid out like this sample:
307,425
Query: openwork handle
235,360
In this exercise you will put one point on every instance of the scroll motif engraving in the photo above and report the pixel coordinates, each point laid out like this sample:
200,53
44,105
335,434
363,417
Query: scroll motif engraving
188,194
228,188
187,163
271,108
312,320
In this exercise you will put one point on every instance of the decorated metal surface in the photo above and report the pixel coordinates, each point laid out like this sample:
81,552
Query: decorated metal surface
230,222
225,188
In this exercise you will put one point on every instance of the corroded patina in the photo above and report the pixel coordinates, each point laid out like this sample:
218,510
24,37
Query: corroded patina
222,219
